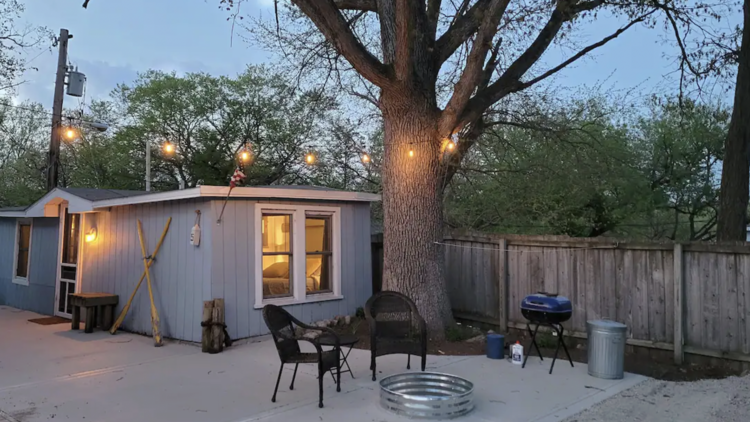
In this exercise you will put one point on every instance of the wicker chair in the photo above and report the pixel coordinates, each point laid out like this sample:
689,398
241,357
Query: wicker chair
282,327
395,327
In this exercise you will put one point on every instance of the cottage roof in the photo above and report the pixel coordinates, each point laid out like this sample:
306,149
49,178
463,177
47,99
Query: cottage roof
89,200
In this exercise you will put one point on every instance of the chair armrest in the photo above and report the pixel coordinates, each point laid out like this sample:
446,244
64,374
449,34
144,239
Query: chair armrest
314,343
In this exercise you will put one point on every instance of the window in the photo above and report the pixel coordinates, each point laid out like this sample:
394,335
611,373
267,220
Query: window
318,252
23,252
277,255
298,252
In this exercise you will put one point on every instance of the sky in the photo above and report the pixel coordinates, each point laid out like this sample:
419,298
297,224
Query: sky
116,39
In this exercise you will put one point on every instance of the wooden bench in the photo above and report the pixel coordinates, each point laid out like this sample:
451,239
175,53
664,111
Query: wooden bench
100,310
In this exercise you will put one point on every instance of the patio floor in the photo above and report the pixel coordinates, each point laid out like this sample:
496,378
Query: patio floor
52,373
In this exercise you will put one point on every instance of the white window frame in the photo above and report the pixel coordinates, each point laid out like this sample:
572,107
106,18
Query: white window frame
299,255
23,281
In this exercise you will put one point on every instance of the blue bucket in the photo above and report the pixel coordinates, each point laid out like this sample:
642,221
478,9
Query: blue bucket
495,346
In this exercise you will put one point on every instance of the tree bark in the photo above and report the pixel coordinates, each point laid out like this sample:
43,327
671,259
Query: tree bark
412,207
733,197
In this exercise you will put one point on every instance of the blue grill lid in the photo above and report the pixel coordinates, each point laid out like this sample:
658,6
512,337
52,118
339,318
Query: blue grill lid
546,303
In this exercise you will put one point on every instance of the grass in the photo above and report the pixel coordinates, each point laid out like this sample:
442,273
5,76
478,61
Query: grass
457,332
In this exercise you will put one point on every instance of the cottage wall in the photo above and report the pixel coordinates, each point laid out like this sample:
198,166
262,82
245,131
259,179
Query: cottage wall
234,266
39,295
181,274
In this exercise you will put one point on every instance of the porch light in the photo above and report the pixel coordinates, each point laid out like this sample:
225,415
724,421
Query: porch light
91,235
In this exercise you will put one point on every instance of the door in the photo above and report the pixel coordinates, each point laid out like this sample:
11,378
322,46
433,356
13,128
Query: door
70,239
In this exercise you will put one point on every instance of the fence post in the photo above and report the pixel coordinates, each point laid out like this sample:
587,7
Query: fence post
502,280
679,283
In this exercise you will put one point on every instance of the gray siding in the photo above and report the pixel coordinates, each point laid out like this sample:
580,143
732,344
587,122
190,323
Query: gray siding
180,276
39,295
234,262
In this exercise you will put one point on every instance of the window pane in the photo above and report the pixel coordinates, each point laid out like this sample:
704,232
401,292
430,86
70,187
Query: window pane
70,242
277,273
318,234
318,273
277,233
22,266
24,236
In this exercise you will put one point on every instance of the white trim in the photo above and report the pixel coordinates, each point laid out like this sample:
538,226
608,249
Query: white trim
299,255
23,281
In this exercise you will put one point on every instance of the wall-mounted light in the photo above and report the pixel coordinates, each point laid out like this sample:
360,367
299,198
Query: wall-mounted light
91,235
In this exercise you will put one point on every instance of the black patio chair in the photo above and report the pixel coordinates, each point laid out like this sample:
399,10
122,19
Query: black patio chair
395,327
282,327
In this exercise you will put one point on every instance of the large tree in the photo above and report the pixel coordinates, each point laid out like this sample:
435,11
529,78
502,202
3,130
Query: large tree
436,68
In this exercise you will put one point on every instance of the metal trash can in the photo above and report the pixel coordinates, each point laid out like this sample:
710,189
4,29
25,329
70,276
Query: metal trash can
606,349
495,346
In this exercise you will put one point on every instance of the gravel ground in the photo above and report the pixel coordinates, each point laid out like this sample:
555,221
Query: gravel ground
724,400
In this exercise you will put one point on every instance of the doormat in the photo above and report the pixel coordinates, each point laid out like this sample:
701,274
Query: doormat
50,320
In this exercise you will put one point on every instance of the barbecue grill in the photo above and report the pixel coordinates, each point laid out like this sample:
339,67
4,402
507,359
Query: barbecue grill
551,310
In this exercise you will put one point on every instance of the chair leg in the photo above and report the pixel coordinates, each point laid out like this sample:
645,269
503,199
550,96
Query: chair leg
408,361
273,399
372,366
424,361
320,384
296,365
338,377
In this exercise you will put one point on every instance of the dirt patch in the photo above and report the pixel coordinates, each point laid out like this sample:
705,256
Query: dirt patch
651,363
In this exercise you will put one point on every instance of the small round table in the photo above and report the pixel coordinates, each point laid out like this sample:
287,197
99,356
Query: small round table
344,340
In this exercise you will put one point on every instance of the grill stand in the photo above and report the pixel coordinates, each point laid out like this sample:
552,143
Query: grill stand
559,330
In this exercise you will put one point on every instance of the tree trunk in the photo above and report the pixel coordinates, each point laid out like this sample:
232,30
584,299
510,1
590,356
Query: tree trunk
733,197
413,209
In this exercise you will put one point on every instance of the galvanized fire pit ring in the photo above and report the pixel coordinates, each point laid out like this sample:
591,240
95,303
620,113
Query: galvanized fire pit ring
427,395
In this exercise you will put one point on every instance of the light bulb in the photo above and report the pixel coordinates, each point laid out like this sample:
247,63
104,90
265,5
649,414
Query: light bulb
70,134
411,153
451,146
365,158
309,158
244,156
168,148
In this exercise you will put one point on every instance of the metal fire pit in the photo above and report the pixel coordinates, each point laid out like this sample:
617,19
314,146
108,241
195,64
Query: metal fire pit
427,395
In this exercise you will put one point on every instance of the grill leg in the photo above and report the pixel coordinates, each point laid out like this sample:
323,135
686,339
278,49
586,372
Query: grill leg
565,348
408,361
533,343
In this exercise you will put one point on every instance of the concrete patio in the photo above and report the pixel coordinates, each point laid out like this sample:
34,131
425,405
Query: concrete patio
52,373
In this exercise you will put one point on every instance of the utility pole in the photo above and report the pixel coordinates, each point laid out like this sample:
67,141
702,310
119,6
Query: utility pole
57,109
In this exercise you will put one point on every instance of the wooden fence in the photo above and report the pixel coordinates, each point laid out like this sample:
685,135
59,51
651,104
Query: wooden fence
686,298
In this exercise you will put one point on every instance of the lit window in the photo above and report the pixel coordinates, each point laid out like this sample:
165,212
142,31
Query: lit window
277,255
319,253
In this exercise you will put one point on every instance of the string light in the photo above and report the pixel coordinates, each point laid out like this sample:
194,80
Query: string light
70,133
411,153
310,158
168,147
450,146
245,154
365,158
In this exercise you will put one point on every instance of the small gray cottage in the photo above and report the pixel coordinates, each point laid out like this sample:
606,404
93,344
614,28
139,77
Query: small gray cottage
306,248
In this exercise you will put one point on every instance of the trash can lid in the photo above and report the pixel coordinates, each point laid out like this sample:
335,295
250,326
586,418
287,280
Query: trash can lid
495,336
608,325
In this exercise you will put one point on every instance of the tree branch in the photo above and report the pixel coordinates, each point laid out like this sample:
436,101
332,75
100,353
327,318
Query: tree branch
462,29
365,5
474,69
327,18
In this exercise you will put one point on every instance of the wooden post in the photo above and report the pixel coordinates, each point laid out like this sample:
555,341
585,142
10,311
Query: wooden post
503,283
208,307
679,284
217,331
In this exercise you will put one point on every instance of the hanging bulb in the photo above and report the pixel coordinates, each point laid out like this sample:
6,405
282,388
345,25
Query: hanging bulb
450,146
70,133
365,158
168,147
411,153
309,158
